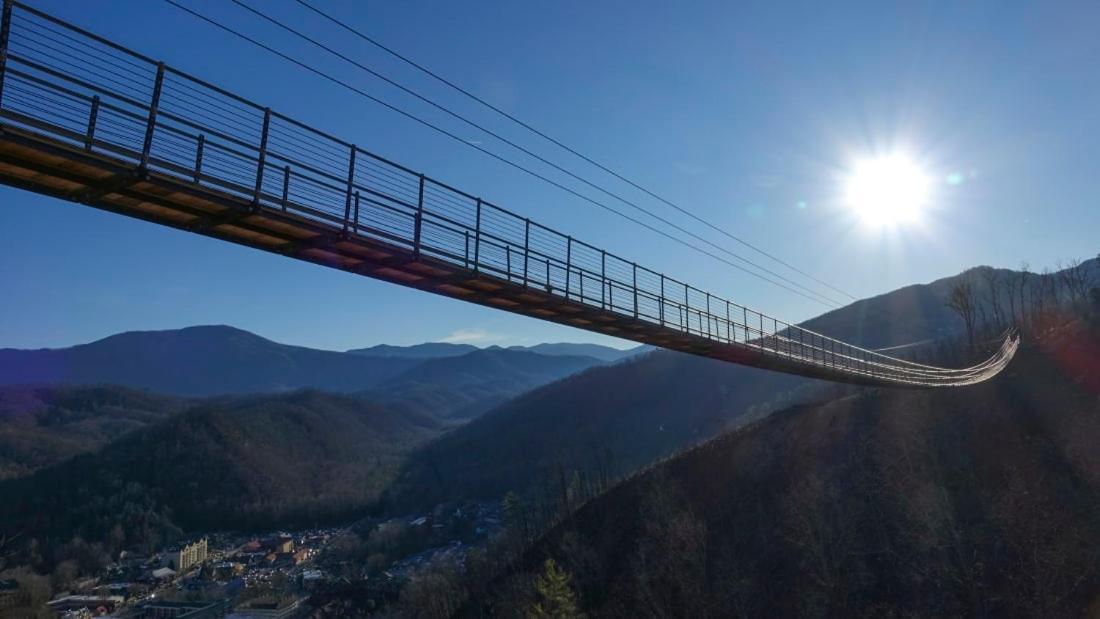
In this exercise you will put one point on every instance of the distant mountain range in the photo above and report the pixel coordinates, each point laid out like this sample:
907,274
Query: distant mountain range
60,403
603,353
197,361
430,350
219,360
440,350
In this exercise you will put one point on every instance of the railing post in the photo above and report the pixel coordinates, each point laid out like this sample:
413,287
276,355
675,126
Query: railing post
526,248
508,260
687,310
605,286
729,339
466,254
348,188
635,291
709,335
745,322
5,33
262,158
151,124
200,146
355,226
419,221
93,114
662,306
286,186
568,264
477,244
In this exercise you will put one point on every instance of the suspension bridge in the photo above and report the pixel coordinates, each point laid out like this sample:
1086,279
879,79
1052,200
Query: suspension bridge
86,120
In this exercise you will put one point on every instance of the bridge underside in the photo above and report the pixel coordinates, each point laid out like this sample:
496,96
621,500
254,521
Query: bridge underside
43,165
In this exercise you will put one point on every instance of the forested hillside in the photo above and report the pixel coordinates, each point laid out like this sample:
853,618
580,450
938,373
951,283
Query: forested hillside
463,387
250,462
606,421
40,426
978,501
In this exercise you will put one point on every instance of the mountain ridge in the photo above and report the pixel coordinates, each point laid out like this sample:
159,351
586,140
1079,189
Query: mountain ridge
215,360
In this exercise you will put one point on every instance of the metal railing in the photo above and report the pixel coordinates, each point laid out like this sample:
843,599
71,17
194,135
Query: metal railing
80,89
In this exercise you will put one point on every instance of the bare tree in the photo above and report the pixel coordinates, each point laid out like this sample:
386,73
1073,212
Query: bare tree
435,592
992,279
1023,283
1046,295
1094,302
1010,289
670,561
1074,278
962,300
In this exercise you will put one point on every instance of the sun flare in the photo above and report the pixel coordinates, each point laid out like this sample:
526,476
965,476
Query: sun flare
887,191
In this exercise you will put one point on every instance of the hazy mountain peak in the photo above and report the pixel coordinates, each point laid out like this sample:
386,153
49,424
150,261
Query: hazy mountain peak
200,360
427,350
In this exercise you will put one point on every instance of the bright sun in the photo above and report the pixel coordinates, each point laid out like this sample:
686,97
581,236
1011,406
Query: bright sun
887,191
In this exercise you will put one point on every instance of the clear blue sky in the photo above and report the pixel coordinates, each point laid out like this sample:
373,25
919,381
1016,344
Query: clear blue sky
740,111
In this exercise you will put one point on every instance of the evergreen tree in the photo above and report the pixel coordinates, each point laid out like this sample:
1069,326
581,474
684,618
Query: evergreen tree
556,599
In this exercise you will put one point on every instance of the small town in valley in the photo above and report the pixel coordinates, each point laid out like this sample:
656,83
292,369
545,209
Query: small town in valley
279,574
